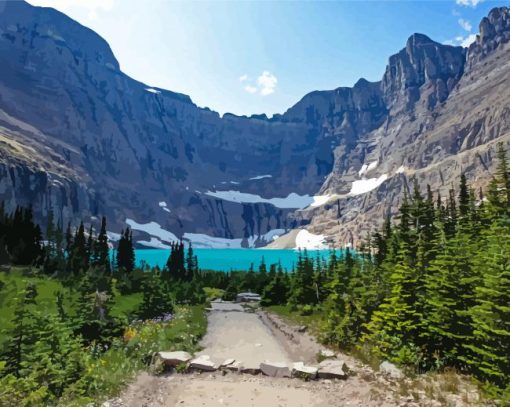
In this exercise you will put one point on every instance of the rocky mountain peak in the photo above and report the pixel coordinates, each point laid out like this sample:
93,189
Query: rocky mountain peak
494,32
421,61
416,40
46,28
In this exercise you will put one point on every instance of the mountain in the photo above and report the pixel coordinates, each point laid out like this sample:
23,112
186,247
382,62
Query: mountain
81,137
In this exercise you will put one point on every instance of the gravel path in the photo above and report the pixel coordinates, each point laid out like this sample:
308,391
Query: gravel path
253,338
241,336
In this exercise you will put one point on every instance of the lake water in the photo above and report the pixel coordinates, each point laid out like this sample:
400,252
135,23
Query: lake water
230,259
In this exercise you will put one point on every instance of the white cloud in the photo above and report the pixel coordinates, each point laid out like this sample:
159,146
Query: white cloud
466,25
267,83
462,41
92,7
470,3
466,42
264,85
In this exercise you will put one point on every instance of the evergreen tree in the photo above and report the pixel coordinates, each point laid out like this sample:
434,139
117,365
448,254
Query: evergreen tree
491,314
125,259
156,300
20,337
101,249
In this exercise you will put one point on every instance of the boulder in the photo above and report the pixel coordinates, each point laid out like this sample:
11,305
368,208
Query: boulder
327,354
275,369
304,372
333,369
390,370
173,359
203,363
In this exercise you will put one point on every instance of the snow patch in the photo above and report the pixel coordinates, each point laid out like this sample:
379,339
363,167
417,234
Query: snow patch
154,243
152,90
365,169
400,170
163,206
307,240
292,201
260,177
202,241
319,200
366,185
152,229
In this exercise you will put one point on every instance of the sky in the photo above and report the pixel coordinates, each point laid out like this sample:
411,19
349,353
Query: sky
252,57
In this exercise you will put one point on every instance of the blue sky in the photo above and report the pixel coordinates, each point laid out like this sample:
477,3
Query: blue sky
262,57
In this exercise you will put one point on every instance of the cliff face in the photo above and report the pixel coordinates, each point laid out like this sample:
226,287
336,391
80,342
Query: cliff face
447,109
135,150
78,135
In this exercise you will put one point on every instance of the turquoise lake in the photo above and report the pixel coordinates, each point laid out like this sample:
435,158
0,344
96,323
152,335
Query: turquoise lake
229,259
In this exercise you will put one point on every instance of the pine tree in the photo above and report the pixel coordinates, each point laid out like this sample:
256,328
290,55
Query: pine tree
191,267
20,336
156,300
491,314
78,257
276,291
101,249
449,296
125,260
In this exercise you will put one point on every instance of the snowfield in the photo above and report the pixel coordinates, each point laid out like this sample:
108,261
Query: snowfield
366,185
365,169
309,241
159,237
319,200
292,201
152,229
155,243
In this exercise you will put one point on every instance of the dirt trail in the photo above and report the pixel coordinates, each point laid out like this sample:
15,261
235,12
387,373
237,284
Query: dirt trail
254,338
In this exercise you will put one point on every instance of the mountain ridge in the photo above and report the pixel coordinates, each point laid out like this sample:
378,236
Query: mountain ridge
127,147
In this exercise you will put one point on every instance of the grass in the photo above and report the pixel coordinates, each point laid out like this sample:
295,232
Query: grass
126,305
212,293
13,281
312,321
108,374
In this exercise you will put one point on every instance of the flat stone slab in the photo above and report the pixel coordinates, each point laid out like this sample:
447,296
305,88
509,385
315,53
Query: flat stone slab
333,369
173,359
203,363
299,369
275,369
227,362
